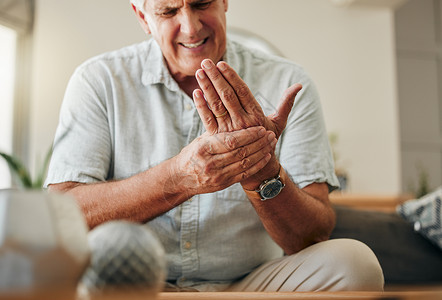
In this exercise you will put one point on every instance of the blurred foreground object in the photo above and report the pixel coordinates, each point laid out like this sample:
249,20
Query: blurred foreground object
126,258
43,241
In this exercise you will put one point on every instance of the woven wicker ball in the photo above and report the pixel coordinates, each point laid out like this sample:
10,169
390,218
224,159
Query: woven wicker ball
124,255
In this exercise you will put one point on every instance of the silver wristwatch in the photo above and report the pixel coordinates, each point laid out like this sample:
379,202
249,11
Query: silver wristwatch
270,188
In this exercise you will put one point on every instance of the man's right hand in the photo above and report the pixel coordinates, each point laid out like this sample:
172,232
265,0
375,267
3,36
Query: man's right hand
209,164
214,162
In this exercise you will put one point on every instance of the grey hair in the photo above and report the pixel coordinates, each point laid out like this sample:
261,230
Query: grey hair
139,4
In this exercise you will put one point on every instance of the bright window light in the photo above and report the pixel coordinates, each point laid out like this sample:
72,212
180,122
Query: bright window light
8,38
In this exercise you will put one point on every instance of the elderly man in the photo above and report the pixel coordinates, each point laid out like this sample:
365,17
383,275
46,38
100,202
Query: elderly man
181,132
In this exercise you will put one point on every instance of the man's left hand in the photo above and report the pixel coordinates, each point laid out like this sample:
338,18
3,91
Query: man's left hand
225,103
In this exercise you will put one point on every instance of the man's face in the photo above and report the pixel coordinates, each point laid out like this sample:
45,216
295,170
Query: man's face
187,31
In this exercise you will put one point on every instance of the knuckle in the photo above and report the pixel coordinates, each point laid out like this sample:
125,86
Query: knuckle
208,168
201,180
217,179
219,138
242,153
227,94
207,148
201,151
245,175
245,163
258,113
209,120
206,86
215,76
199,105
242,90
194,163
230,142
263,142
218,105
243,124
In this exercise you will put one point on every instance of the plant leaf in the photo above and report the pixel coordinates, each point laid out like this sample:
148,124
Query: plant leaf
41,174
17,168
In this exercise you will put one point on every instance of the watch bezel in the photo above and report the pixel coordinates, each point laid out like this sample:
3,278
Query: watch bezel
269,183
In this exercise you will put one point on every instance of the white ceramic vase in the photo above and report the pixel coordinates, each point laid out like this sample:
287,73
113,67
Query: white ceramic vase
43,241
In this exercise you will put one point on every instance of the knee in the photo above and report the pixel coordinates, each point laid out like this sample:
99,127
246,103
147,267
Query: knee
353,264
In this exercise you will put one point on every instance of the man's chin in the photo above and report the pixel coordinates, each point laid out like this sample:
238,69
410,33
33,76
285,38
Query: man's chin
182,73
190,68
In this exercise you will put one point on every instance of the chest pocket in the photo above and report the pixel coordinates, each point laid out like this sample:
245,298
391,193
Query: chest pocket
232,193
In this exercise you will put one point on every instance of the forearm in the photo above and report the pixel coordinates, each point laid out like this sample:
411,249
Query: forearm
296,218
139,198
209,164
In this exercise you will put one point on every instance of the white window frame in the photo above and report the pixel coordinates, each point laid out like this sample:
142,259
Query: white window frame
19,16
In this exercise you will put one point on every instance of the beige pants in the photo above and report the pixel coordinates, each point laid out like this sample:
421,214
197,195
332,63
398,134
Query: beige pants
334,265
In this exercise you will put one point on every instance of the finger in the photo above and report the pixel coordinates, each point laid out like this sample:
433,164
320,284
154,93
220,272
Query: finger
237,172
223,89
211,95
244,173
245,96
285,107
248,154
204,111
229,141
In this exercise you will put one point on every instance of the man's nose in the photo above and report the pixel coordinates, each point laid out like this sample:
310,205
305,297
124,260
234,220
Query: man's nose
190,23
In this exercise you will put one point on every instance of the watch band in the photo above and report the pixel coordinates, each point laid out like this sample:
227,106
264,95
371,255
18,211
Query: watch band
255,194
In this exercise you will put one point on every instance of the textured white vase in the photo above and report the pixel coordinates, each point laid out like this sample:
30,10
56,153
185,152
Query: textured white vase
43,241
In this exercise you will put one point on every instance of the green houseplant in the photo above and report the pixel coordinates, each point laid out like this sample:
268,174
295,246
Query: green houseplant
21,175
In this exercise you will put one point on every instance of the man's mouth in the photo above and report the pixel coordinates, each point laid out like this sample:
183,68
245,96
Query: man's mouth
193,45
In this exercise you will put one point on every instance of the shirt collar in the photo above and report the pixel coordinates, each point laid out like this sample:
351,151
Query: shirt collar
231,57
155,70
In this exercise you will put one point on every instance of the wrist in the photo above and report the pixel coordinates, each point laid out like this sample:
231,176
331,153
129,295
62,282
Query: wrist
271,170
269,188
178,179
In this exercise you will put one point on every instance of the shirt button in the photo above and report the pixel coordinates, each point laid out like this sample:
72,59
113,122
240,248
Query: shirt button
188,106
187,245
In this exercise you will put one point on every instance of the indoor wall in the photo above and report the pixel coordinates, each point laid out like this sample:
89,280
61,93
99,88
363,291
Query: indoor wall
348,51
419,56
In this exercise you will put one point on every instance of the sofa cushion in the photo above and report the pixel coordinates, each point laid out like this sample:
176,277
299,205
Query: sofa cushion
406,257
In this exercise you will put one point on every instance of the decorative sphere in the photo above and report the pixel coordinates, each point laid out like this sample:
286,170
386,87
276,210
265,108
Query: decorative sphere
124,255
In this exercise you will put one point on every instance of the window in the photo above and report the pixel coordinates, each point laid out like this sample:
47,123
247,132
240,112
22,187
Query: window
16,23
8,38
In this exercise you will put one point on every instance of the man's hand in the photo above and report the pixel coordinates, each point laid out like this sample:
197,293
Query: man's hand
225,104
213,162
230,103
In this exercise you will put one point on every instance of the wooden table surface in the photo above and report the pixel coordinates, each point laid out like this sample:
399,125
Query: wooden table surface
62,295
385,203
418,295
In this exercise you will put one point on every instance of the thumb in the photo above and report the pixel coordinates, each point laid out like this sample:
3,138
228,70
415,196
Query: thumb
281,115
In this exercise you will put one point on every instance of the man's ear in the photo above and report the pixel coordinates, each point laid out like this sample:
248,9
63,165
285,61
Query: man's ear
141,19
226,5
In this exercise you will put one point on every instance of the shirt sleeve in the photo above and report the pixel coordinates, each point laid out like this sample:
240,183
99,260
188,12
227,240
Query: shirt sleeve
82,145
304,146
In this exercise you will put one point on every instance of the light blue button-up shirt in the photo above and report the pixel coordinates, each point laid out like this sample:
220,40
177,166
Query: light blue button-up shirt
123,113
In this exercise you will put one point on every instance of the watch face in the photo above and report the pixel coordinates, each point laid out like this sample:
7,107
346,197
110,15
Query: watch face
271,189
